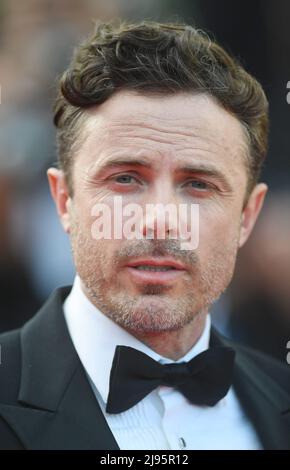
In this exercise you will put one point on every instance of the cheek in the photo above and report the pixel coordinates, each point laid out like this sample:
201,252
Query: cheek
92,216
218,230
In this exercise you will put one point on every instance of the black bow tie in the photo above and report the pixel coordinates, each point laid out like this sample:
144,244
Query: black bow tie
204,380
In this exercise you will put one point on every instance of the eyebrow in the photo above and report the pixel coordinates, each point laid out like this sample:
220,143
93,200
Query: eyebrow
188,168
120,162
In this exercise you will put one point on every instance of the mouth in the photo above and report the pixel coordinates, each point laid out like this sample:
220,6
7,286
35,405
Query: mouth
155,270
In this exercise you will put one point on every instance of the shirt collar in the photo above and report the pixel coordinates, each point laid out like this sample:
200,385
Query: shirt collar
95,337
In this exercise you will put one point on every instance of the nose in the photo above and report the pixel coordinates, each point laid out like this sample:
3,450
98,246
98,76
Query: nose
160,216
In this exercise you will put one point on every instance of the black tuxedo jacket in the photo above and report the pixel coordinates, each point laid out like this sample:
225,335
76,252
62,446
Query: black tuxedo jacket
46,401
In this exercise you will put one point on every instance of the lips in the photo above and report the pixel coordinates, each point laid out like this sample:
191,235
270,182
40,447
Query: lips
157,263
155,270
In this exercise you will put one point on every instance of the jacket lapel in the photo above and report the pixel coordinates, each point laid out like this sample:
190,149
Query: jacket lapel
266,404
57,408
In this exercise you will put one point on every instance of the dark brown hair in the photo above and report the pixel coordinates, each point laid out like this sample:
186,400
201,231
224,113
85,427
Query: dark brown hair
159,58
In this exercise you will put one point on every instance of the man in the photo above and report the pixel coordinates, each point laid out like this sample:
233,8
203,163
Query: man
153,115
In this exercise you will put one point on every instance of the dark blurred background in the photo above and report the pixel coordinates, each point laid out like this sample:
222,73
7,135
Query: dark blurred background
37,38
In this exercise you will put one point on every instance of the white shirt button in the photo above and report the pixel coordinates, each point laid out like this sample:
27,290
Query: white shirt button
181,443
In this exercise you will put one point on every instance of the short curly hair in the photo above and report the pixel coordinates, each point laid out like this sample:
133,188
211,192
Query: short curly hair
159,58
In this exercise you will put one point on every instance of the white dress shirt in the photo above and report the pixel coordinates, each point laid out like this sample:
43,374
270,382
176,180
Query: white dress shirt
164,419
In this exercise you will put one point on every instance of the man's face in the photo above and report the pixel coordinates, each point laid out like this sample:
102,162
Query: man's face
176,149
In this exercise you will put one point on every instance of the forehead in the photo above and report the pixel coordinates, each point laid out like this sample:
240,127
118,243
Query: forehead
174,127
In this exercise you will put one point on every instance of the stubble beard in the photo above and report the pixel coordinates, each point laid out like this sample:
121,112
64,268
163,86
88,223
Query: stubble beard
154,310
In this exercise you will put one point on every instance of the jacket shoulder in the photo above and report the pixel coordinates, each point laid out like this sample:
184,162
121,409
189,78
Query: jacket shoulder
278,371
10,369
10,366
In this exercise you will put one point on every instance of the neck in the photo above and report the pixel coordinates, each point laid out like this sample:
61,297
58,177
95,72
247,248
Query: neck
174,344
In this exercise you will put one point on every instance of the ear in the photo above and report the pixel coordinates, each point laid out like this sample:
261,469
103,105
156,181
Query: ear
251,211
60,194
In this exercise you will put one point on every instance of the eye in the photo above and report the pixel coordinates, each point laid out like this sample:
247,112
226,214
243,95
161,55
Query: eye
199,185
125,179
